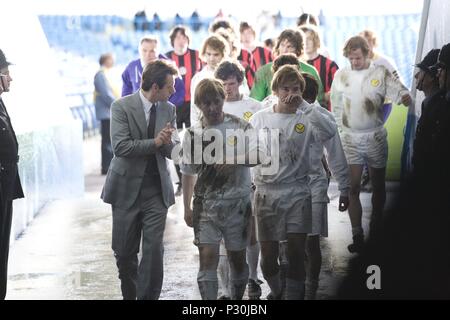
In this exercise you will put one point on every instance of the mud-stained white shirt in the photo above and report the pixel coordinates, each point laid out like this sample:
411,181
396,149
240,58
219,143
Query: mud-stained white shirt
244,108
318,181
357,97
295,137
217,181
382,60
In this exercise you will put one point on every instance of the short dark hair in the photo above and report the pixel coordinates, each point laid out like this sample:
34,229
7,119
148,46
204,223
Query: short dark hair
295,37
245,26
181,29
306,18
104,57
221,23
284,59
156,73
227,69
311,87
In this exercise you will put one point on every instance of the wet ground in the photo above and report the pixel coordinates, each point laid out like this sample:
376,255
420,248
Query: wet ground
66,252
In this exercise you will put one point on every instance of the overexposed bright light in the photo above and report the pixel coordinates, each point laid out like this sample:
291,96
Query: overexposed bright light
238,8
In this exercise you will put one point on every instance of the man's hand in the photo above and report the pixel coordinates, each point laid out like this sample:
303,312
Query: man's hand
343,203
406,99
188,217
165,135
293,99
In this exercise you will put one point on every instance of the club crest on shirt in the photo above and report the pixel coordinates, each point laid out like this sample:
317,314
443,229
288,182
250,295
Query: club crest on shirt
375,82
182,70
232,140
247,115
299,128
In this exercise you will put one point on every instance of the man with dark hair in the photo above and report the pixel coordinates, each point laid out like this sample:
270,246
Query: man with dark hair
431,155
242,106
426,76
322,164
188,63
324,66
10,187
104,95
138,184
224,28
289,41
261,55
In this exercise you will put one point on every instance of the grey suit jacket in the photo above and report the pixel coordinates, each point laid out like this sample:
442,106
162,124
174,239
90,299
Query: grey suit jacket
131,147
104,96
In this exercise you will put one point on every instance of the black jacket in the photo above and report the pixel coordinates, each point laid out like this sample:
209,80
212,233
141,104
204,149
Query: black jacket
10,186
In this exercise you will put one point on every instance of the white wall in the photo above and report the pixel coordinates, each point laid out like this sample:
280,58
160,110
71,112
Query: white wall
50,140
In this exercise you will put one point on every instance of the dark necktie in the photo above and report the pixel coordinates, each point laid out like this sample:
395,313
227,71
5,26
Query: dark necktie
152,122
152,166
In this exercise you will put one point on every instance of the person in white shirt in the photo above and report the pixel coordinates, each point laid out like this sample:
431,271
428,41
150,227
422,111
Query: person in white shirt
242,106
213,51
221,206
321,164
358,93
282,200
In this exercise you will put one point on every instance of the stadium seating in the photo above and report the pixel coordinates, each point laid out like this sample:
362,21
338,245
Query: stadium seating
79,41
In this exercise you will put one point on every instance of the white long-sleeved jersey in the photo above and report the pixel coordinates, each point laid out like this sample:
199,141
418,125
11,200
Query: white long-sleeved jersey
244,108
207,73
318,181
357,97
295,137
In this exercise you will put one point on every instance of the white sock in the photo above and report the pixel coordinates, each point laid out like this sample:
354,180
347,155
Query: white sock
223,271
252,260
295,290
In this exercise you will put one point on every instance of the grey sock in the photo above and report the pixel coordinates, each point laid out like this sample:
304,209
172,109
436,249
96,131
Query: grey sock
274,283
311,287
295,290
208,284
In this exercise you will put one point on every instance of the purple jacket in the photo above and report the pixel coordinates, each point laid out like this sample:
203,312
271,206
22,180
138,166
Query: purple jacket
131,81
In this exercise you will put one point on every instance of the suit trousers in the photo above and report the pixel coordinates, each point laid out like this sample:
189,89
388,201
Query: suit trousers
106,147
146,219
5,231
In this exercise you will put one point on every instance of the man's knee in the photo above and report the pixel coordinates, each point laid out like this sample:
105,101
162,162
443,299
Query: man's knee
127,265
209,257
237,260
355,189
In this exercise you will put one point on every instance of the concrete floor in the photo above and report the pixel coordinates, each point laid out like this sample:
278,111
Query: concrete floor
66,252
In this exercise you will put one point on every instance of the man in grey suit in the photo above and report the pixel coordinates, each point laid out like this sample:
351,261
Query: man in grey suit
138,184
104,95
